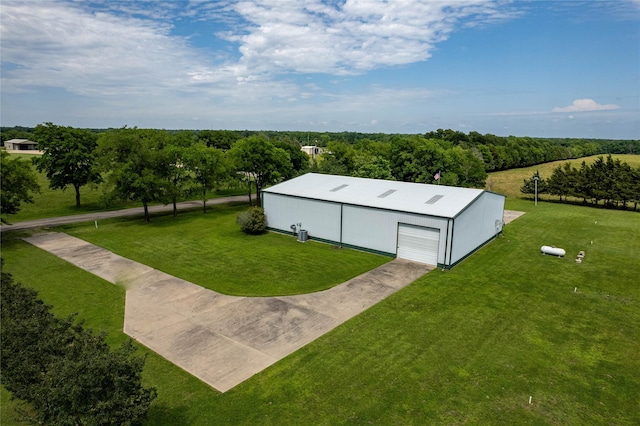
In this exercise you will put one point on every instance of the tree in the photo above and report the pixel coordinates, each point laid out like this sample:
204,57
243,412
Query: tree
430,158
171,164
207,165
69,375
221,139
337,159
558,183
529,186
372,166
68,158
299,159
468,167
598,180
635,187
132,159
18,182
260,161
402,158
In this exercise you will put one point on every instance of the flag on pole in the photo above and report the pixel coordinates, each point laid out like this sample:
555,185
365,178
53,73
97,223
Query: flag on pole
437,176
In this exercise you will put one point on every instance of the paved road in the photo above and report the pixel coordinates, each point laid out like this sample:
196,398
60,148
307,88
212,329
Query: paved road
136,211
223,340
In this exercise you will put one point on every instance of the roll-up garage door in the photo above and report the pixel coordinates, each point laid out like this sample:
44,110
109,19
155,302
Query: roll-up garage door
418,243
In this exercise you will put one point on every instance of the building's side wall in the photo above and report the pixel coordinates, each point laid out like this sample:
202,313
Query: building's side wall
476,225
377,230
321,219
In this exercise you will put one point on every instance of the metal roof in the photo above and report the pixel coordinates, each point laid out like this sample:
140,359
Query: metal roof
432,200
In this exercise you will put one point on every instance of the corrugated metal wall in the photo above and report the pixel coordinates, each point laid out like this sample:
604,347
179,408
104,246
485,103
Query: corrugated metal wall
378,229
321,219
476,225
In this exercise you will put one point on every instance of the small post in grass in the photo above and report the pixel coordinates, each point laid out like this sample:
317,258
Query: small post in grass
96,222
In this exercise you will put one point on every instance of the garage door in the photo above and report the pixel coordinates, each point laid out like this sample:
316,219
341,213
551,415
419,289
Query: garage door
418,243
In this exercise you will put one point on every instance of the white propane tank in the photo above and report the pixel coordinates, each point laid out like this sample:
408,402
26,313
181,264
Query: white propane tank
554,251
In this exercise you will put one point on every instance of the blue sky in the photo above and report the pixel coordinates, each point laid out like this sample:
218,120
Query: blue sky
525,68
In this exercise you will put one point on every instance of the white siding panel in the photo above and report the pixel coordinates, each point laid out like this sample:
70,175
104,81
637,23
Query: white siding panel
480,222
378,229
418,243
320,218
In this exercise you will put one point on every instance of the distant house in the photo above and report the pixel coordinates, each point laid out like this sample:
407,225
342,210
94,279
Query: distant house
21,145
311,150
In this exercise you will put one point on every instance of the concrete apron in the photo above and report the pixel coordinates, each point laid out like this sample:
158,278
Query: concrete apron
224,340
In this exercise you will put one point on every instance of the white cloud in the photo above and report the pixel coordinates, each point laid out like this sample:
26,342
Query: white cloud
58,45
127,49
350,37
121,60
583,105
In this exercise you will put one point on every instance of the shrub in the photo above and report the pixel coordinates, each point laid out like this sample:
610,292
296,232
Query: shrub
252,221
68,375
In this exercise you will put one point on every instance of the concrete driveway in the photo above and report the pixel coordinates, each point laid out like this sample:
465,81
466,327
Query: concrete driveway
224,340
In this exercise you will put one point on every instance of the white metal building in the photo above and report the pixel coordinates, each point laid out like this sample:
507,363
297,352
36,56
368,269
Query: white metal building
435,224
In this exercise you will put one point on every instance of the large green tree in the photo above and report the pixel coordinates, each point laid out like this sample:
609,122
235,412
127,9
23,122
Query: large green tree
69,375
68,158
132,160
299,159
171,166
468,167
206,165
260,161
17,183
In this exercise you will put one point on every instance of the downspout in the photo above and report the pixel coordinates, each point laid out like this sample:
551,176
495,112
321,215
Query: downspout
341,206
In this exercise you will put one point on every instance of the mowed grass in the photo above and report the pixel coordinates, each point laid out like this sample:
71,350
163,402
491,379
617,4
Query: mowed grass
211,250
509,182
466,346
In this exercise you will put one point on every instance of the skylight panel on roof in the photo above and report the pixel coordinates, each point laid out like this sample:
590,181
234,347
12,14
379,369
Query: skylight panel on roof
386,193
434,199
338,188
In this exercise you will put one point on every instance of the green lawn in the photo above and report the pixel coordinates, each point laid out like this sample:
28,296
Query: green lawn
465,346
210,250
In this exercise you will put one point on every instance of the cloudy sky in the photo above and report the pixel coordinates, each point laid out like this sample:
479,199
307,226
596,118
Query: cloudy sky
526,68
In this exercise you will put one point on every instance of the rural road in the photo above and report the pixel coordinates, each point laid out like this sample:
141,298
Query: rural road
135,211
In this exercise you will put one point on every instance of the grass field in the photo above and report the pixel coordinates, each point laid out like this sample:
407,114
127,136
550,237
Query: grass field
465,346
210,250
508,182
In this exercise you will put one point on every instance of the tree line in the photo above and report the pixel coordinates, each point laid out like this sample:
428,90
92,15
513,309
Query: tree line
160,166
497,152
609,181
67,374
147,165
